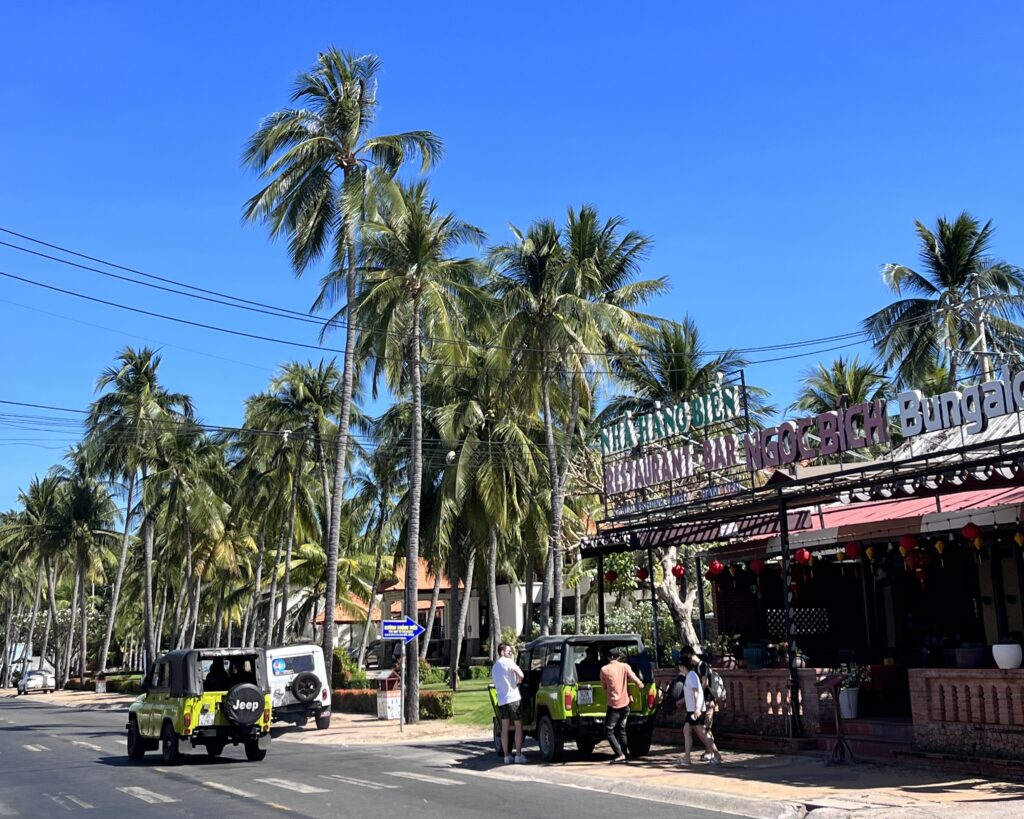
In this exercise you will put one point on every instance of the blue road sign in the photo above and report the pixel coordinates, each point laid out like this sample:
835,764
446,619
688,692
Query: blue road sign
405,630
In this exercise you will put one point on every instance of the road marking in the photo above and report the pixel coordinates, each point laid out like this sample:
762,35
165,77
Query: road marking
434,780
63,798
288,785
35,748
88,745
6,811
147,796
80,802
229,789
362,783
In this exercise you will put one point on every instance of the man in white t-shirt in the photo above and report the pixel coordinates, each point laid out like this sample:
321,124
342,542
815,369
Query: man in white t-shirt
507,676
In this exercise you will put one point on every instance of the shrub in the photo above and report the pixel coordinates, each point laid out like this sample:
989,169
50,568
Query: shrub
475,672
437,705
354,701
430,675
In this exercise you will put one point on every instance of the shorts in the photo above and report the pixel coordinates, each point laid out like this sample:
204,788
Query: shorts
511,711
689,719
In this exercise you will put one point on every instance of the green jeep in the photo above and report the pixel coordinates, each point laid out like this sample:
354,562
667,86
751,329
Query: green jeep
205,696
563,699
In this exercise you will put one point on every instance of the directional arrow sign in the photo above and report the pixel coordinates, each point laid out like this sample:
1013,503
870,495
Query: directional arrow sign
406,630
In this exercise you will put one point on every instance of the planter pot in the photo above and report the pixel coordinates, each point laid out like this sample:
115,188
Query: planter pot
755,657
973,657
848,701
1007,655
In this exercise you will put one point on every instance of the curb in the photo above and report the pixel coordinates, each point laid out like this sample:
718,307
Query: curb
98,706
703,800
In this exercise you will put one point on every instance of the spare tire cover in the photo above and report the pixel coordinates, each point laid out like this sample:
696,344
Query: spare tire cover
306,686
243,704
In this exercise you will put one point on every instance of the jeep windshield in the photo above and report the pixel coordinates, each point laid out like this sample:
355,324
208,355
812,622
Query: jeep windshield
220,671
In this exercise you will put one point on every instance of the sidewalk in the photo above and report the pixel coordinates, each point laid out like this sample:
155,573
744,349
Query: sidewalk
767,786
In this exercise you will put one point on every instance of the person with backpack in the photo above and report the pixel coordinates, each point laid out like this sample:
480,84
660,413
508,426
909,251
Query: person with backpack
689,689
714,693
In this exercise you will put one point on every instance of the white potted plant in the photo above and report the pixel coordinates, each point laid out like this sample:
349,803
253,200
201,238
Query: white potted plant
849,693
1007,652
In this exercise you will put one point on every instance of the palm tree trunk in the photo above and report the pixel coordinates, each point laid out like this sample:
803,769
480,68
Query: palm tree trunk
46,640
577,603
545,598
32,618
51,589
148,536
531,561
218,618
84,625
492,590
231,623
459,632
194,584
70,641
193,618
160,619
412,552
177,623
247,638
325,483
5,660
271,605
364,639
286,583
334,530
431,613
118,577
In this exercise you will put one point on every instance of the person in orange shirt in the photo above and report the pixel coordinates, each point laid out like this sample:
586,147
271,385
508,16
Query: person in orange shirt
615,678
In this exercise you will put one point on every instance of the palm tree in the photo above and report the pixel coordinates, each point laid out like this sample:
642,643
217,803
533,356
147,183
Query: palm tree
316,159
962,300
122,425
825,388
569,297
415,292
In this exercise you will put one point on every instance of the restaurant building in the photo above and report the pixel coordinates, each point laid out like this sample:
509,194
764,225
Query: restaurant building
884,538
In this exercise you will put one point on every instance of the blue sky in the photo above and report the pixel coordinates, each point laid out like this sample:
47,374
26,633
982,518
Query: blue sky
778,153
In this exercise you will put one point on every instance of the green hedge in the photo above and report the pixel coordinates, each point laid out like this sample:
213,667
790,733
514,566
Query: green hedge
433,704
475,672
429,675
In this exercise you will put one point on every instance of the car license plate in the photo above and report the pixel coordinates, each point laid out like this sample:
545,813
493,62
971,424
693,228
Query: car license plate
585,696
206,719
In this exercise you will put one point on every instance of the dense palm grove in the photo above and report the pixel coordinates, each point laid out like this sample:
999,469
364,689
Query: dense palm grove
158,531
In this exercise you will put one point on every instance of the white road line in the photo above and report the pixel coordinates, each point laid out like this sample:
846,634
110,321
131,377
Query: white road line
288,785
88,745
147,796
361,783
80,802
35,748
434,780
229,789
58,799
6,811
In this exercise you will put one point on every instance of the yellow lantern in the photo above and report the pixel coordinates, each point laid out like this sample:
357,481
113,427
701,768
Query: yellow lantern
978,543
1019,539
870,552
840,555
940,546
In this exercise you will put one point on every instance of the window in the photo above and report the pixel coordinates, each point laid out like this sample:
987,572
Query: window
282,666
161,676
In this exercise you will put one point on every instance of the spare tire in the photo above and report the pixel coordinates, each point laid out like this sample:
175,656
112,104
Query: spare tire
306,686
243,704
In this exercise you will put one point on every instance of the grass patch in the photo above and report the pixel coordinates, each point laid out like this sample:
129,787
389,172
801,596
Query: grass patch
471,701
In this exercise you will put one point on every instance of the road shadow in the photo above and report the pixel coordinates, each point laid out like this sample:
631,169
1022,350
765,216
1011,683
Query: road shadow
153,761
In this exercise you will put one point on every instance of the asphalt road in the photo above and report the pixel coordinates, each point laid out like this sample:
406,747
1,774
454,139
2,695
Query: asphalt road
57,761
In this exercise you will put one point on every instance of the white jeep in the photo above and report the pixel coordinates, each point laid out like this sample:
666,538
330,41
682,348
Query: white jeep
298,685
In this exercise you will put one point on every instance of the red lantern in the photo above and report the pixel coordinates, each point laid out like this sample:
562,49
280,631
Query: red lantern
852,550
971,531
641,574
907,543
611,576
678,570
715,568
802,556
757,565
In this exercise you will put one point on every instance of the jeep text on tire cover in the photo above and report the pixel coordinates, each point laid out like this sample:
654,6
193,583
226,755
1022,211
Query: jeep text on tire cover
246,705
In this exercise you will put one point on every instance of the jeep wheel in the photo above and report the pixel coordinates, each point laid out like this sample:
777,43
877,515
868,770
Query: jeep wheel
585,746
169,754
638,743
549,737
243,704
136,748
306,686
214,748
323,722
253,751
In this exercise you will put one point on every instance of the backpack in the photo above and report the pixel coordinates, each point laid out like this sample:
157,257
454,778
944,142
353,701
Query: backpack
716,686
673,694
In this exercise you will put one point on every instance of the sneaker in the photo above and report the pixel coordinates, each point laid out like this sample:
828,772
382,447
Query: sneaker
520,760
683,763
509,759
715,760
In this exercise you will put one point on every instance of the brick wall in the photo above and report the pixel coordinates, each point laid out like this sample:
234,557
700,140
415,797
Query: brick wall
970,712
759,702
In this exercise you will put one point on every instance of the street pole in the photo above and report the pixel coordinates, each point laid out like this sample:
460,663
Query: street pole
401,693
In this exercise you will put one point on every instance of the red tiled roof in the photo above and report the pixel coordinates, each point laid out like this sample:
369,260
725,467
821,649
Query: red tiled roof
343,615
421,605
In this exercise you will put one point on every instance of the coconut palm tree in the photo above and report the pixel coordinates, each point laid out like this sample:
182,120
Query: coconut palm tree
122,426
825,388
316,158
416,292
962,300
569,298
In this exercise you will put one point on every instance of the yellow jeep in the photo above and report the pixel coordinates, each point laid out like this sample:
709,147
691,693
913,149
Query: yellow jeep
204,696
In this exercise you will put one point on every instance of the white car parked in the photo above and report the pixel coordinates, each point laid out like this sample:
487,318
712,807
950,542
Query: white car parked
39,681
298,685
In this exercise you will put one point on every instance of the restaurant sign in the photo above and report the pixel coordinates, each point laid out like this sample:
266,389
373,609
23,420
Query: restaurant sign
971,408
